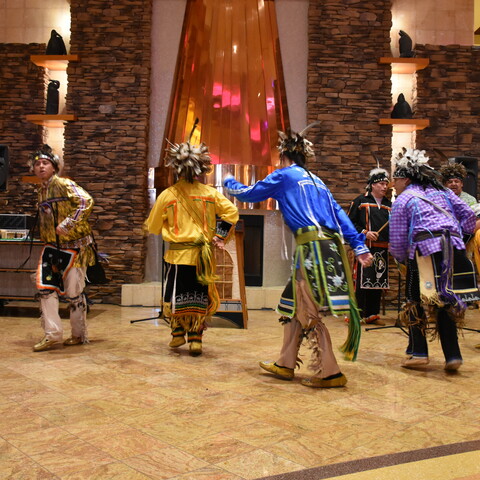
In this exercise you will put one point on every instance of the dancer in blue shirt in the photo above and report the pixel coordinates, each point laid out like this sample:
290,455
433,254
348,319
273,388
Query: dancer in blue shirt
320,282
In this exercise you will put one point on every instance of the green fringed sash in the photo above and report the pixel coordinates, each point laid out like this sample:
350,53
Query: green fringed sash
206,263
352,343
324,264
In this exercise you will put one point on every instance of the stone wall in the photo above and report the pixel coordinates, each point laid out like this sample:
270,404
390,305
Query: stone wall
22,93
448,94
348,91
106,149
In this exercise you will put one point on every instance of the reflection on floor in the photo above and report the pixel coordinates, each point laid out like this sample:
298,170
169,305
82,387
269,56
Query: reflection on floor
126,406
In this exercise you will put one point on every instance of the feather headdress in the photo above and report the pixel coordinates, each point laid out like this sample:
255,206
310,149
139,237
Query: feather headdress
296,142
187,160
413,164
453,170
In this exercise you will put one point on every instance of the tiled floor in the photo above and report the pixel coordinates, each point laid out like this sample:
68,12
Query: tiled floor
125,406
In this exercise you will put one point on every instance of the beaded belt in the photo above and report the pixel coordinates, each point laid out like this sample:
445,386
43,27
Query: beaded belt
420,236
79,243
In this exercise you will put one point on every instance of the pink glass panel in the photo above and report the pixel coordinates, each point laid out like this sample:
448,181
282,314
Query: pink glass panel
229,75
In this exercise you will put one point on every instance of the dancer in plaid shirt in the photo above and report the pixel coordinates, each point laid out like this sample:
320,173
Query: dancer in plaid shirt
427,224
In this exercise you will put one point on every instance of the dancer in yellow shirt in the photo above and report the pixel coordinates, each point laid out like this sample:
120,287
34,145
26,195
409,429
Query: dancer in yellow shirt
186,214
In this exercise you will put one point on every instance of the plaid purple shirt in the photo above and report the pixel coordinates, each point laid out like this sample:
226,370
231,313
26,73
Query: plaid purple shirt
412,215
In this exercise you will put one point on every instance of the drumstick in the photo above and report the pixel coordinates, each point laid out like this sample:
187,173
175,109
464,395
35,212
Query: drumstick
383,226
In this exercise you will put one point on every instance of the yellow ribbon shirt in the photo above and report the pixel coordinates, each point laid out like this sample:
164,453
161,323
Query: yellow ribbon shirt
174,219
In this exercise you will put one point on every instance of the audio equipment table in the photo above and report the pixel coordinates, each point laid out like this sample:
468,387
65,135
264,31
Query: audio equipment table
16,283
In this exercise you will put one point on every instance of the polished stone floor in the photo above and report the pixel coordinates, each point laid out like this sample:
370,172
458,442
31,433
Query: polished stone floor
126,406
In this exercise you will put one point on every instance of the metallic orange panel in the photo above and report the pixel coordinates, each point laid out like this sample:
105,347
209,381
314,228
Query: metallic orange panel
229,75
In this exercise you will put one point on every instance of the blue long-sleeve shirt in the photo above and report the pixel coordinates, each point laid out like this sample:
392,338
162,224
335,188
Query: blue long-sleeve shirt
302,202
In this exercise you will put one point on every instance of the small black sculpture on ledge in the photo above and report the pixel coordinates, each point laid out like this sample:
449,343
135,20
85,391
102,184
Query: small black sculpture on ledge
401,109
405,44
52,97
56,45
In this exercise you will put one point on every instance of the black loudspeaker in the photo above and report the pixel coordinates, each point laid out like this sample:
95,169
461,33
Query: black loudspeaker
471,182
11,221
3,167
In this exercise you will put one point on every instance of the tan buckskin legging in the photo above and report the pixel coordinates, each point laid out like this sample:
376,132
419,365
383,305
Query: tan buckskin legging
307,316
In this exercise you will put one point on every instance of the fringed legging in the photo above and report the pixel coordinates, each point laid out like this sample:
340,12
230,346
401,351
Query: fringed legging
418,323
323,361
74,283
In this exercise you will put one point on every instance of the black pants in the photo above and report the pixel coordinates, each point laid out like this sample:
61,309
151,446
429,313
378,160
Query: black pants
446,326
447,331
368,300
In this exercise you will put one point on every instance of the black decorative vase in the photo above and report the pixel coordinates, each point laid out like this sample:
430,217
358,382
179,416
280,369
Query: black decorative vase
56,45
405,45
402,108
52,97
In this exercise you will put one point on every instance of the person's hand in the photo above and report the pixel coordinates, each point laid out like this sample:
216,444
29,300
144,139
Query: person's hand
372,236
365,259
218,242
228,175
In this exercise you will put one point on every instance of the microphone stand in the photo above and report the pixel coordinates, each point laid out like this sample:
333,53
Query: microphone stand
397,324
160,312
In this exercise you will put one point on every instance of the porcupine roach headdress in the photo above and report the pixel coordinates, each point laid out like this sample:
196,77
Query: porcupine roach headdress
413,164
296,142
187,160
453,170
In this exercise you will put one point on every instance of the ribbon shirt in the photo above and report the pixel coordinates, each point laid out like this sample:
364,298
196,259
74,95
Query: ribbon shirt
303,199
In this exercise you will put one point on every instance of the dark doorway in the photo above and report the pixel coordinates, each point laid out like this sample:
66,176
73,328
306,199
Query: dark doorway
253,249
